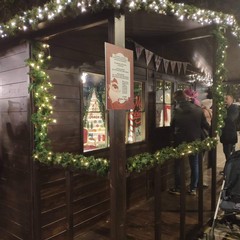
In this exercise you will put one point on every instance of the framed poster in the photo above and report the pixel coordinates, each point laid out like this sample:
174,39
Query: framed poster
119,77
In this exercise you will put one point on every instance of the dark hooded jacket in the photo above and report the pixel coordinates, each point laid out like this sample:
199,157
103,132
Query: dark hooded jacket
229,131
187,122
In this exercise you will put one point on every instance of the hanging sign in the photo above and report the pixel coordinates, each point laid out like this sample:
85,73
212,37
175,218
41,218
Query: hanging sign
119,77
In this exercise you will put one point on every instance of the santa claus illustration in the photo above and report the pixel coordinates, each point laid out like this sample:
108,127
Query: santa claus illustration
114,91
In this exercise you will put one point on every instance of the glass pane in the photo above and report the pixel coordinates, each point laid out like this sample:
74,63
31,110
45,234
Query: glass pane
163,103
159,103
95,131
167,114
136,117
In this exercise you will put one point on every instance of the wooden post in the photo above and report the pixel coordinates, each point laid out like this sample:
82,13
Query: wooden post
182,198
157,202
200,189
69,196
117,127
213,152
35,184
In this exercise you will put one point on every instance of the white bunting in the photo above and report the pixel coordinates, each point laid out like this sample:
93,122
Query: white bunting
149,55
138,49
179,66
173,65
158,60
165,64
185,67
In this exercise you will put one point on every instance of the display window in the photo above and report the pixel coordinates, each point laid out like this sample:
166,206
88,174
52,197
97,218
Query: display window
163,103
94,119
135,118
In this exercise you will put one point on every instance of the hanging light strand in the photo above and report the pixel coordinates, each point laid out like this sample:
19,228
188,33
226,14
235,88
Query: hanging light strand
32,19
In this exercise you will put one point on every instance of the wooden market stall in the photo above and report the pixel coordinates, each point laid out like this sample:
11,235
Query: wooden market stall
60,201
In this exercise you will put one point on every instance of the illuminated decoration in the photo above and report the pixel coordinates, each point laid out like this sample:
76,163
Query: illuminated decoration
95,131
42,118
39,87
32,19
131,127
83,77
42,98
146,161
135,130
206,80
220,76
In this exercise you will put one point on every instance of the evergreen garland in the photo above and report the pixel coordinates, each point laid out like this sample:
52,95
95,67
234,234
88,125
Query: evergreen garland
40,84
56,9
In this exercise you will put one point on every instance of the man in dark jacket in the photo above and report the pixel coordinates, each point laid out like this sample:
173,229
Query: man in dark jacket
229,131
187,122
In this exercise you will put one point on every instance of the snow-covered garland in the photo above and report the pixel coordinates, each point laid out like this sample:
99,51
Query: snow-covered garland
41,84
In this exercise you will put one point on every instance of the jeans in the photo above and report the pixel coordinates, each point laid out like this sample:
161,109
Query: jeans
194,166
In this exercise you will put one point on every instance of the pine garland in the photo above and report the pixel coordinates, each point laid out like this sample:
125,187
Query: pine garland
40,85
56,9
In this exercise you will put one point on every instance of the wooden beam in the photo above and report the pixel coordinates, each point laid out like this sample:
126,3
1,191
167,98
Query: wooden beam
117,127
82,27
195,34
49,29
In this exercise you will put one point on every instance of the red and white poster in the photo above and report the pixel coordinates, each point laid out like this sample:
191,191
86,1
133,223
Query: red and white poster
119,77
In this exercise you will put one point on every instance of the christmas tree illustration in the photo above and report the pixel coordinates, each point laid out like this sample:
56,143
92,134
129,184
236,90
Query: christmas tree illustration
94,131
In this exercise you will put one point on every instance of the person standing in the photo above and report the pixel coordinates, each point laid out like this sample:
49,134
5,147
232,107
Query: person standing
206,105
186,124
228,137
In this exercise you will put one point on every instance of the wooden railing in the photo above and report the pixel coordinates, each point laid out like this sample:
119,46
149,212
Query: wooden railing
182,198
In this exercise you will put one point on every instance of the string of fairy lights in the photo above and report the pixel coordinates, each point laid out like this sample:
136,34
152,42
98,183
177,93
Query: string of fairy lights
31,19
40,80
42,117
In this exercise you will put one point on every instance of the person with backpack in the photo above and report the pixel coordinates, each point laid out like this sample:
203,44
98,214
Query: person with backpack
229,137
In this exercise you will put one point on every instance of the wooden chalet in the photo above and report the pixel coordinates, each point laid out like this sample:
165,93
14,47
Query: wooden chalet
42,202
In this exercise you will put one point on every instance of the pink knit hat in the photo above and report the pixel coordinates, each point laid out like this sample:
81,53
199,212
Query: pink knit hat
190,93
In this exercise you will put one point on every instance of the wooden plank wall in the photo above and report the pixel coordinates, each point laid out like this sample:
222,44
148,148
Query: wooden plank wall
67,202
15,175
70,201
